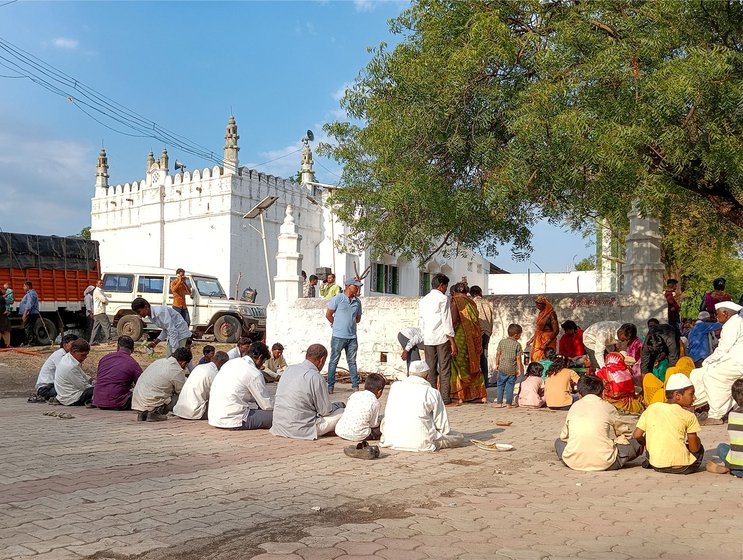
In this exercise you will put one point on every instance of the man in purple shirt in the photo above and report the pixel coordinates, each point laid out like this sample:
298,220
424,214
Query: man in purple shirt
117,374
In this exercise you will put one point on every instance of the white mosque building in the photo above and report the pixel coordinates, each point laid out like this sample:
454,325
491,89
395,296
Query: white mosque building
195,220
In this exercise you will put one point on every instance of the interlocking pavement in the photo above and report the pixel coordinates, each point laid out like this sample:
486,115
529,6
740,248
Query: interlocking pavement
104,486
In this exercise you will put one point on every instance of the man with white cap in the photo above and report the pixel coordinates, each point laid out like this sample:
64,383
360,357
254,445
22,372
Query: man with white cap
669,432
415,417
713,381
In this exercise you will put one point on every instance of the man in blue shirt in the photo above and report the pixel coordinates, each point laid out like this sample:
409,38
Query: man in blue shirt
29,310
343,312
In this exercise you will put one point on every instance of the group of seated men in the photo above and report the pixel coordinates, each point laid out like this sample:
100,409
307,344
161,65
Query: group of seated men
232,394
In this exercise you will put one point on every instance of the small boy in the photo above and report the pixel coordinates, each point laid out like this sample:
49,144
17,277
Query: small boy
360,420
209,351
8,296
594,437
670,432
732,455
508,364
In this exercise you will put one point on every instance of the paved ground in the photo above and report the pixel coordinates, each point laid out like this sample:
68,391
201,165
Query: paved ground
104,486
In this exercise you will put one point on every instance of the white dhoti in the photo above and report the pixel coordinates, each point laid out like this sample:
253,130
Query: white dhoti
713,385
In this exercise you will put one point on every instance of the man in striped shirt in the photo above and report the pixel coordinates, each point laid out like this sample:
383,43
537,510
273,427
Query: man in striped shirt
732,455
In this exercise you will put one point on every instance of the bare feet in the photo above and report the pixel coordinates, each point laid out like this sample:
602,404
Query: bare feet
497,405
717,469
711,422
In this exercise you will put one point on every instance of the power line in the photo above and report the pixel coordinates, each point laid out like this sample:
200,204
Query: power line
5,4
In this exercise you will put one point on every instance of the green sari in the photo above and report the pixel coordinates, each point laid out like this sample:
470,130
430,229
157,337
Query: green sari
467,381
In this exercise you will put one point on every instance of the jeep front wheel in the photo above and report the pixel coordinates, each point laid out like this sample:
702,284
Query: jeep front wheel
227,329
130,325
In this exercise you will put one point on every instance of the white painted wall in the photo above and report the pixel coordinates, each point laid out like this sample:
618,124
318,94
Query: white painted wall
545,283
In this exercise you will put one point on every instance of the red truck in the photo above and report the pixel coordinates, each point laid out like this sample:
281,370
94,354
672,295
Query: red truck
60,269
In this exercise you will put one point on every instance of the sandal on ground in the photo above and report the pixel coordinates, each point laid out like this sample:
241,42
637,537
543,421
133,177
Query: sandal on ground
362,451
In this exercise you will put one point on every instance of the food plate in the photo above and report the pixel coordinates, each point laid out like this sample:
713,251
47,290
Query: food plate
492,446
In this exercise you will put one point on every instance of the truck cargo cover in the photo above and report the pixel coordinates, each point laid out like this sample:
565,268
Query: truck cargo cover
20,250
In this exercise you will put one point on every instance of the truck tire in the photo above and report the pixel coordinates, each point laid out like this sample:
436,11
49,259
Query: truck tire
130,325
227,329
45,331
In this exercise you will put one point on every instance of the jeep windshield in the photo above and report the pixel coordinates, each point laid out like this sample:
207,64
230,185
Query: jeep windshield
209,287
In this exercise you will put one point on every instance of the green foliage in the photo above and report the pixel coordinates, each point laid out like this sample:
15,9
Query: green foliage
85,232
491,115
587,264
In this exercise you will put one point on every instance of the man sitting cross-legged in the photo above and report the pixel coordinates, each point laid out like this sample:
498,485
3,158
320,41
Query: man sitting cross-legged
45,381
117,373
415,418
157,389
303,408
238,398
193,399
594,437
71,383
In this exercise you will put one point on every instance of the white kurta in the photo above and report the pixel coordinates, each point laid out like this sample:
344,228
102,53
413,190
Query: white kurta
599,336
194,396
713,381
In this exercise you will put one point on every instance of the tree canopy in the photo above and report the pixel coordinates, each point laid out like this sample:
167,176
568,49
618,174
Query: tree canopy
490,115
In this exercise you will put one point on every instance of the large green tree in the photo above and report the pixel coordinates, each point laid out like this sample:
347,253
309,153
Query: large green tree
492,114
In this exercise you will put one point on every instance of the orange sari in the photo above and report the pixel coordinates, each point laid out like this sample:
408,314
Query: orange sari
544,331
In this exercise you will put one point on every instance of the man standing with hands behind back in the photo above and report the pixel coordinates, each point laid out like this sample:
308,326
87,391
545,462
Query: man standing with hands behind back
344,311
438,335
180,289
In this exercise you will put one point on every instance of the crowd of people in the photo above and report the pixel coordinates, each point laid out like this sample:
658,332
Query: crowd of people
676,379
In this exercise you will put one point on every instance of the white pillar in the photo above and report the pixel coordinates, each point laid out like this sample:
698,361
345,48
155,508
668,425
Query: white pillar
643,270
288,279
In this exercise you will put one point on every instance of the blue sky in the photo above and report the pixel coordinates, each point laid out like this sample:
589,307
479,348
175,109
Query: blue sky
279,67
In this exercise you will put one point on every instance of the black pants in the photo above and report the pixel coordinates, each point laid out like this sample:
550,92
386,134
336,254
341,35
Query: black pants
438,359
46,391
85,397
414,355
484,359
699,455
29,324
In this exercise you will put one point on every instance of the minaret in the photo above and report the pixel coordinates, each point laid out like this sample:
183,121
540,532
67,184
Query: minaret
150,161
164,161
231,162
307,172
101,174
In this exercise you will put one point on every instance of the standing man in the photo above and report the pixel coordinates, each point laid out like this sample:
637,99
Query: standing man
180,290
343,313
328,288
29,310
674,309
485,313
88,303
100,319
438,335
309,287
172,326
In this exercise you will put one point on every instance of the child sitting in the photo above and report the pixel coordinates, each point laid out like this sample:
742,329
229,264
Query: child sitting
508,365
532,387
594,438
360,420
619,388
558,393
732,455
669,432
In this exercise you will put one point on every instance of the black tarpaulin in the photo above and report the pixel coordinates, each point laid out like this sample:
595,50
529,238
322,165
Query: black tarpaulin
20,250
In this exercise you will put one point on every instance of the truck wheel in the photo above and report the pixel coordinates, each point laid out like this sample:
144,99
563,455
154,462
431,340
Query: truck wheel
130,325
45,332
227,329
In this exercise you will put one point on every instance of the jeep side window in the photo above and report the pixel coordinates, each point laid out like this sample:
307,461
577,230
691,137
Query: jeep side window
118,283
150,284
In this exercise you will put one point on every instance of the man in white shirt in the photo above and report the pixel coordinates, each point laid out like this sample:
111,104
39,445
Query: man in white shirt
438,335
157,389
600,338
193,399
410,338
238,389
713,382
45,381
172,326
360,420
303,408
100,319
415,418
240,349
71,383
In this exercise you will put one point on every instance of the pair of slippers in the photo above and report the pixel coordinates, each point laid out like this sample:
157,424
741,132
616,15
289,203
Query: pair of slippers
63,415
362,451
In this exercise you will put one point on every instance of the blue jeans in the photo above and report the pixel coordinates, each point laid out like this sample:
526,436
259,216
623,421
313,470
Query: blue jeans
722,451
505,382
351,346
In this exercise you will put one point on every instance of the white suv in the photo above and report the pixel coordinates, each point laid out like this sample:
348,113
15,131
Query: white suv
212,312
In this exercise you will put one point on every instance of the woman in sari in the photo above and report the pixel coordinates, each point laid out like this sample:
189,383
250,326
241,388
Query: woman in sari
619,389
714,297
627,334
653,387
467,382
546,330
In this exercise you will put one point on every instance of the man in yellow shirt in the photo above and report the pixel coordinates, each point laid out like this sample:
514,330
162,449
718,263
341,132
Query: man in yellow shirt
180,289
670,432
